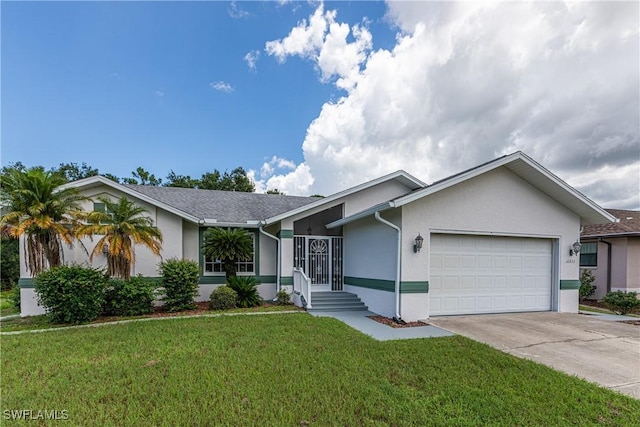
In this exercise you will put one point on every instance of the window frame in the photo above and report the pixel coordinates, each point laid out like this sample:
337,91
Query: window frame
217,264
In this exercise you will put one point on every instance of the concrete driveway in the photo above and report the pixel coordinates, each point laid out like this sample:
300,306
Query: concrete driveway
600,351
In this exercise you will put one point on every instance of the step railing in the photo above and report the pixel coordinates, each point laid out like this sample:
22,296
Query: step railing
302,286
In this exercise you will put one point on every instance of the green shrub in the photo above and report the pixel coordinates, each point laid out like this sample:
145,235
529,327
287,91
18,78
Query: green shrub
246,288
586,287
622,302
283,297
131,297
180,281
9,263
71,294
223,298
14,297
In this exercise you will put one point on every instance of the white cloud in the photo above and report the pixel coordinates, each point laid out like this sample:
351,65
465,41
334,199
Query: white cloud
305,39
236,12
222,86
251,59
467,82
326,43
159,93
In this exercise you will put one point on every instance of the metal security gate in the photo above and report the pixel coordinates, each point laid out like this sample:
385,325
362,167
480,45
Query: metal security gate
321,259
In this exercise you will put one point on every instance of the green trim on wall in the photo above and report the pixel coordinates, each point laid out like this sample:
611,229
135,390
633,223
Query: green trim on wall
285,234
286,281
569,284
26,283
417,287
408,287
221,280
377,284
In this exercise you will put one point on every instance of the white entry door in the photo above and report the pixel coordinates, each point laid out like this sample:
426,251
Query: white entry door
472,274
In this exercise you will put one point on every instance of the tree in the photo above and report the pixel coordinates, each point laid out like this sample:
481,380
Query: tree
142,177
74,172
122,224
46,215
237,180
183,181
229,246
275,191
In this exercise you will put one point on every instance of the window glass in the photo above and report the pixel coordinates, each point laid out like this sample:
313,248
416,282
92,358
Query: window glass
216,266
589,254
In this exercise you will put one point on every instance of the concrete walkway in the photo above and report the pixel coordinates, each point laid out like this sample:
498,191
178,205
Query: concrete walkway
601,351
358,320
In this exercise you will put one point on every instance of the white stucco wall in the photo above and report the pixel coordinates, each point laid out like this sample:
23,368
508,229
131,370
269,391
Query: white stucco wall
499,203
146,263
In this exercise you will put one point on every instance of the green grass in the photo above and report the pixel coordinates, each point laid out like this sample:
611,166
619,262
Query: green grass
30,323
289,369
6,306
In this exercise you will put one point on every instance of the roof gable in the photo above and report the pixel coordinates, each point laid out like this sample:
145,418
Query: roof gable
531,172
400,176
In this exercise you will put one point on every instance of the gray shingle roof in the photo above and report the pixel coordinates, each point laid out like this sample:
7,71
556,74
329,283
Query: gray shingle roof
629,225
223,206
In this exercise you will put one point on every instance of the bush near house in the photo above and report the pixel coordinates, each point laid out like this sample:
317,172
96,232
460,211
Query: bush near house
246,288
223,298
587,289
622,302
283,297
180,281
131,297
9,263
71,294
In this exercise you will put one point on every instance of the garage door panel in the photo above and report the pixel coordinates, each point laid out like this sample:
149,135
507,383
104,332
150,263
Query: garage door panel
489,274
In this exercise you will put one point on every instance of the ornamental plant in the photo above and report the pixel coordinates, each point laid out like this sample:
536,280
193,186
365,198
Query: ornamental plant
247,289
586,287
180,282
622,302
223,298
71,294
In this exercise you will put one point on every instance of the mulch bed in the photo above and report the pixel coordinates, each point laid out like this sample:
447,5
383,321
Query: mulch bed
202,308
600,304
389,322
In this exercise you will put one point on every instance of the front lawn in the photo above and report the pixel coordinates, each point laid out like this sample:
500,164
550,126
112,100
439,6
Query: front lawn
287,369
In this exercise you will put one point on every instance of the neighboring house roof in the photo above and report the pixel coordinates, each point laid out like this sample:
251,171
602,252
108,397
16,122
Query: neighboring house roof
628,225
521,165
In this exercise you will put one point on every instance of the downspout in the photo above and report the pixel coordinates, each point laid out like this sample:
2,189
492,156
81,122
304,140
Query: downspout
608,264
399,232
277,257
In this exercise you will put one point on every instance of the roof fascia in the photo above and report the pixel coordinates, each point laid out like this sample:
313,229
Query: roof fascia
362,214
345,193
87,182
597,236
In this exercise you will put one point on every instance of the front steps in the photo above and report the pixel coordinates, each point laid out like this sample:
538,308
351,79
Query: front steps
336,301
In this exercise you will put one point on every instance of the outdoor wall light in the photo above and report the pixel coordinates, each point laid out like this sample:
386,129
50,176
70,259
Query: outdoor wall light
105,250
575,248
418,245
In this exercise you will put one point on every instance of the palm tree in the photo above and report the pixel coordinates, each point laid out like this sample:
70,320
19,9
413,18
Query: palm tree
122,225
228,245
44,214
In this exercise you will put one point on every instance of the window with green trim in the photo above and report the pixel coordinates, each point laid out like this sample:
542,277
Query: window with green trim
212,266
589,254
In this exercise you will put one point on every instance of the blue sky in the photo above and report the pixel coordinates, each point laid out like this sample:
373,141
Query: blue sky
314,97
121,85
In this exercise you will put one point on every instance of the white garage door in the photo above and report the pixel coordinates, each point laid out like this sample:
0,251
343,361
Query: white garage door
489,274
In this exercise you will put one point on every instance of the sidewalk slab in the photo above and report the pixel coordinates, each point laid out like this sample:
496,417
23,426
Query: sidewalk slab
359,320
